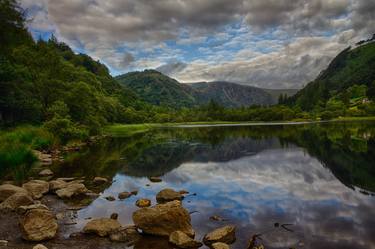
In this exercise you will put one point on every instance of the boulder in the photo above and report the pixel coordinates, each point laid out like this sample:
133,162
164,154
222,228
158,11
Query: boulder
38,225
46,172
163,219
39,246
16,200
124,195
224,234
24,209
167,195
72,189
181,240
7,190
100,180
143,203
128,235
37,188
55,185
219,245
102,227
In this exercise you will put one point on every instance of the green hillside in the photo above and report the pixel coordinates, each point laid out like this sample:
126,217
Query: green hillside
45,81
158,89
351,67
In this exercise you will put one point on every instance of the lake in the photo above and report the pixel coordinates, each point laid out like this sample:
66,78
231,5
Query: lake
319,179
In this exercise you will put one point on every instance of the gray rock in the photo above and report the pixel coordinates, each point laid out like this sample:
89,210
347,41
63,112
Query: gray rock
181,240
7,190
128,235
16,200
224,234
37,188
72,189
38,225
163,219
102,227
167,195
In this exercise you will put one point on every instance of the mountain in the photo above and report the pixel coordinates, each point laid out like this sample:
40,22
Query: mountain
158,89
275,93
230,94
353,66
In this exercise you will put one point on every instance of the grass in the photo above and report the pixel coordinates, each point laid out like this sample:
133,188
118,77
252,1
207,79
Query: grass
372,118
17,145
126,130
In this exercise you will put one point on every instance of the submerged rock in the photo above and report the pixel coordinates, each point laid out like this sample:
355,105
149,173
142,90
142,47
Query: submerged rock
181,240
124,195
16,200
100,180
163,219
102,227
38,225
224,234
46,172
220,245
128,235
167,195
155,179
71,190
37,188
7,190
110,198
143,203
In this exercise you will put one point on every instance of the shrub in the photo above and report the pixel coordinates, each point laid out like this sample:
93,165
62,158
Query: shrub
65,129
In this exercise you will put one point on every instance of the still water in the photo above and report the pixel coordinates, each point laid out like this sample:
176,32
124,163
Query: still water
320,178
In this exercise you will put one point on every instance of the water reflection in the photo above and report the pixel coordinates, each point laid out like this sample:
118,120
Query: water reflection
320,178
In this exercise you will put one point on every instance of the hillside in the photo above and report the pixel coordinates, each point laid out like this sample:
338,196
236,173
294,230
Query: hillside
158,89
351,67
230,94
275,93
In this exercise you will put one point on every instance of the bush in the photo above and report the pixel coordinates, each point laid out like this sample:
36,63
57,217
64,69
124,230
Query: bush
65,129
327,115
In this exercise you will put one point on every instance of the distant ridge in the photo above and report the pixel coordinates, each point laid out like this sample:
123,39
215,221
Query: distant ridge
159,89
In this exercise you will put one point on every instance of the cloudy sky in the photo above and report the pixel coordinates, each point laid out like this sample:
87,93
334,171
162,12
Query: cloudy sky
265,43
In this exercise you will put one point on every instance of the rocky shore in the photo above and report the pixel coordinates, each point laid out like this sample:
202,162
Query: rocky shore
37,215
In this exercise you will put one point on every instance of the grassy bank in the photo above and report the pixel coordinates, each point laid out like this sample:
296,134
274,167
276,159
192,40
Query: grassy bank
354,119
16,145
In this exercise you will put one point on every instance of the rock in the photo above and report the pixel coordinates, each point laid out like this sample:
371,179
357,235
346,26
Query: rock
219,245
37,188
134,192
128,235
24,209
3,243
114,216
167,195
224,234
46,172
66,179
155,179
16,200
102,227
39,246
183,192
181,240
55,185
71,190
38,225
143,203
110,198
7,190
100,180
163,219
124,195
